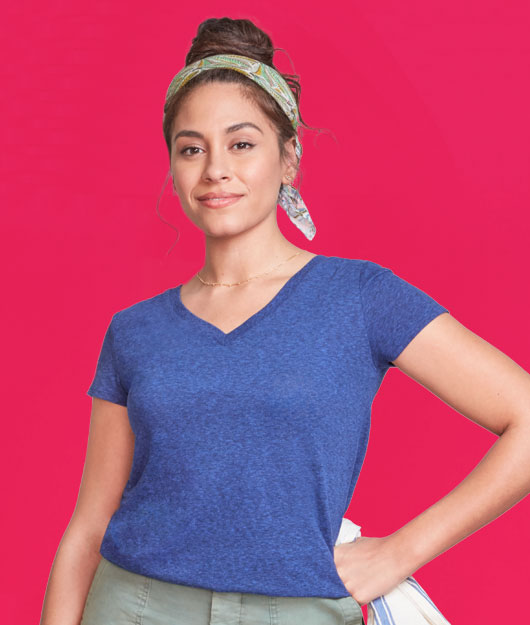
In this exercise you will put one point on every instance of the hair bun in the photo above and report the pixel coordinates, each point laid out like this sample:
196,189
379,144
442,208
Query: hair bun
223,35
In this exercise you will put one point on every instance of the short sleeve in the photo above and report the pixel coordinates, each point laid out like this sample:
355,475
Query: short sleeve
394,312
106,383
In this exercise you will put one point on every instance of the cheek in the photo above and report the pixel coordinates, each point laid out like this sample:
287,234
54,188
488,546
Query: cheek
184,180
261,176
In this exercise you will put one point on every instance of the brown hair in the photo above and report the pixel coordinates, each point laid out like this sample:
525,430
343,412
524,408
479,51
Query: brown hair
235,36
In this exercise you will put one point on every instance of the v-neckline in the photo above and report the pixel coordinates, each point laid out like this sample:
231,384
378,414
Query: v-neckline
225,337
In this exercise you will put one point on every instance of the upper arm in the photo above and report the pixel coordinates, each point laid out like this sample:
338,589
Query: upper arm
468,373
108,462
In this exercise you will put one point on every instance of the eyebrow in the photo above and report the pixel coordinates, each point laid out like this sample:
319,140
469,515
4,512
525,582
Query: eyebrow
233,128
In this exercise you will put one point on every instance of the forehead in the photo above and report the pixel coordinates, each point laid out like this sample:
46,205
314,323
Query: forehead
215,104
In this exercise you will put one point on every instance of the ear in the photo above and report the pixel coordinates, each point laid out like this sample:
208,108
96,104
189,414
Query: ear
290,162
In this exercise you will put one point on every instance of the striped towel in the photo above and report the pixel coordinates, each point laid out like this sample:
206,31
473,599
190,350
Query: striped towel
406,604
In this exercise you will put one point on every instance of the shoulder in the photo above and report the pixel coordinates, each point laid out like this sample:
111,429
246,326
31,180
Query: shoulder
145,312
358,271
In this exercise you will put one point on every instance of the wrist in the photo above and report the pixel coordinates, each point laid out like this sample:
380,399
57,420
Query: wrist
405,551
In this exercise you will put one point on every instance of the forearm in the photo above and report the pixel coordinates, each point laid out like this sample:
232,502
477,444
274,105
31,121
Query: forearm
498,482
70,578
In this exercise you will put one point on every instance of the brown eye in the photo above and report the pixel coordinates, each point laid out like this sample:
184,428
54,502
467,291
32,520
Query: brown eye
191,147
244,143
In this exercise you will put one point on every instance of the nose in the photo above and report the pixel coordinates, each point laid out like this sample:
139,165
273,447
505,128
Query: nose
216,165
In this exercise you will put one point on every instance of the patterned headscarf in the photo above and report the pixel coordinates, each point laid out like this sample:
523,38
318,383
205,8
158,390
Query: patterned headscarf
273,82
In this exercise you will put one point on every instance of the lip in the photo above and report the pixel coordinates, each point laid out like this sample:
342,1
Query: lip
212,194
219,200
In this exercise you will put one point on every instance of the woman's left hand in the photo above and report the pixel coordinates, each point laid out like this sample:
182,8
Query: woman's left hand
370,567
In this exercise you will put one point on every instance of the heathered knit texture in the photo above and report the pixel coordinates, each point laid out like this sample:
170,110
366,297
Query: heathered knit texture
248,445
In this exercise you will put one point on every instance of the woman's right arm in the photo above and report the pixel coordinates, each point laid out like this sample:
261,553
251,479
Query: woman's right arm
107,467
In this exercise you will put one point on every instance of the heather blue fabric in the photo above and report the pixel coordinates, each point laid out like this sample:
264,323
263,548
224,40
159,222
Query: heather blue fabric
248,445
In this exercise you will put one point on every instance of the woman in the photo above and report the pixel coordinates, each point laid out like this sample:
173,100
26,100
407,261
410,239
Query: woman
231,413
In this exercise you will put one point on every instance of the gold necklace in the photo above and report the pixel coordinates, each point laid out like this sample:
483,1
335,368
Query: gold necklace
252,278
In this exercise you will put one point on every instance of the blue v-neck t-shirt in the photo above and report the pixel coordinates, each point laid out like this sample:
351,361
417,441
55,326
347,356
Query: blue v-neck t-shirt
249,444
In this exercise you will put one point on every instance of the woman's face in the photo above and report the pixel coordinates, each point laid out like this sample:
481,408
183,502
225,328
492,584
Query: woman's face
223,143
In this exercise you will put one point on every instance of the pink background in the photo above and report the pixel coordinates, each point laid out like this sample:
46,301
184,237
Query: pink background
428,174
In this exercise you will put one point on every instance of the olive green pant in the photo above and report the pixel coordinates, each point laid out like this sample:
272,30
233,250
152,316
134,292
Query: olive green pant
120,597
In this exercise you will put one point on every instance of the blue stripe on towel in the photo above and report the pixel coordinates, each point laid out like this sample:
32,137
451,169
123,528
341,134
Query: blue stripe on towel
415,585
382,613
